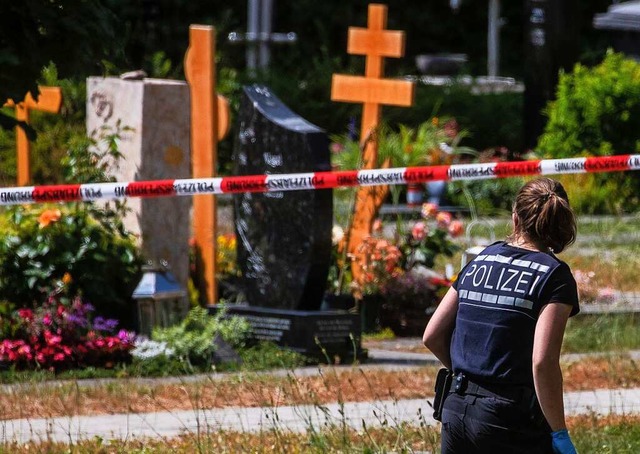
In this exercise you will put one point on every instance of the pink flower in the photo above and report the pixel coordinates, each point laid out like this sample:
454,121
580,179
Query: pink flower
429,210
456,228
377,225
419,231
47,320
52,339
443,219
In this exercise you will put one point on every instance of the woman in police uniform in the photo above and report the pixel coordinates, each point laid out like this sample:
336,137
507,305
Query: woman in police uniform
500,329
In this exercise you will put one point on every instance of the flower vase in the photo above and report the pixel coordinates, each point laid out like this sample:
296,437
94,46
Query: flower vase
370,313
414,194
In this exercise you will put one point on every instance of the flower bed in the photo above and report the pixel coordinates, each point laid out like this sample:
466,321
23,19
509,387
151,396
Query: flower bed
61,334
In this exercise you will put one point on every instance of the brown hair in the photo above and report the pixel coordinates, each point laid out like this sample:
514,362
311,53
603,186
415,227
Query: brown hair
544,214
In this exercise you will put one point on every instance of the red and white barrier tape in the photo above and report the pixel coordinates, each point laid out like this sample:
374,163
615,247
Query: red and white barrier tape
314,180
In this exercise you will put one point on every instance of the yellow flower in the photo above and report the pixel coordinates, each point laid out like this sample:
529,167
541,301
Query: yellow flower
48,216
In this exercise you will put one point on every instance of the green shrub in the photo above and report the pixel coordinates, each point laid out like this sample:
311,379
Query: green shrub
596,113
82,243
267,355
79,244
192,339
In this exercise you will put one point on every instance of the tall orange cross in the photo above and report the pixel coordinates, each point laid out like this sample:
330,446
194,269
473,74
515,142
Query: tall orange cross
49,100
375,42
209,124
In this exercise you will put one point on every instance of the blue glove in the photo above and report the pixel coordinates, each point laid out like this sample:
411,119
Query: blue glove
562,443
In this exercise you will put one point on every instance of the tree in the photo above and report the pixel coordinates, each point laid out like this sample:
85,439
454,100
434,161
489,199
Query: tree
76,35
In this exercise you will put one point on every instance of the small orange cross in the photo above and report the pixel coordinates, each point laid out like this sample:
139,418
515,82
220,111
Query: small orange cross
49,100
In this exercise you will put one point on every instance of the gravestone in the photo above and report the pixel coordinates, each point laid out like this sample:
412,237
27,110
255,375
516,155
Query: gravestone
155,147
283,238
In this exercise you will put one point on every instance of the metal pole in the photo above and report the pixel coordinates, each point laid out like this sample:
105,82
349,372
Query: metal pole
253,14
493,39
265,33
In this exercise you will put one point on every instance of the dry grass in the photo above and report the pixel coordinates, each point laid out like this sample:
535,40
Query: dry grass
251,390
124,396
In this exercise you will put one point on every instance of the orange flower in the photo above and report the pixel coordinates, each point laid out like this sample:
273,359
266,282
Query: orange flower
66,279
48,216
429,210
443,219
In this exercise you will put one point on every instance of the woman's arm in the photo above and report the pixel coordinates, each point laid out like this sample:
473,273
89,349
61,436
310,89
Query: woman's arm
437,334
547,376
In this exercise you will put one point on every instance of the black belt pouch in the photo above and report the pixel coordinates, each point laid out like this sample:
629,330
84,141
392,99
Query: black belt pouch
443,384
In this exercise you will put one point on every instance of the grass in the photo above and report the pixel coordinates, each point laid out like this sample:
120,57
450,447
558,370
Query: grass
602,333
316,387
591,434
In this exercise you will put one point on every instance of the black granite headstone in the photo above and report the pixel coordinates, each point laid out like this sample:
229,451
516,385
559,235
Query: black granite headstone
321,335
551,43
284,238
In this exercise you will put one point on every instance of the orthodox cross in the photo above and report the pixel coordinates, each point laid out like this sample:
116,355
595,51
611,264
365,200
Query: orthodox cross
375,42
209,124
49,100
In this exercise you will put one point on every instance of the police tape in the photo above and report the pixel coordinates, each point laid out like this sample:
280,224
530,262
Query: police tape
314,180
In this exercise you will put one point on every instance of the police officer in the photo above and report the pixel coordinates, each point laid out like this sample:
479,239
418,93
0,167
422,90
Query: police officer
500,329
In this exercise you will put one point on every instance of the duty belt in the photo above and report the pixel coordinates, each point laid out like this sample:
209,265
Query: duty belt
463,386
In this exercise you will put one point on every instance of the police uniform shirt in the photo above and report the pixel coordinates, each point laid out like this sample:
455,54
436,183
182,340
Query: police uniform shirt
500,295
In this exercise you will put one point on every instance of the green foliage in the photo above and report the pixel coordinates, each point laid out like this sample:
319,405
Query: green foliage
602,333
75,34
619,436
192,339
161,366
56,133
45,244
485,197
489,119
40,244
596,113
267,355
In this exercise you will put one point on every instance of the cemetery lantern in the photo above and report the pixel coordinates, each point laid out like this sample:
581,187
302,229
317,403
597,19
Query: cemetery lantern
158,298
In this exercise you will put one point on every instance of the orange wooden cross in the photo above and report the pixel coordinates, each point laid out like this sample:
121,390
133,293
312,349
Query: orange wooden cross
209,124
375,42
49,100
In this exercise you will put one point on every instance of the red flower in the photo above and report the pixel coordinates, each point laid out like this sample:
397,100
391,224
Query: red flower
26,314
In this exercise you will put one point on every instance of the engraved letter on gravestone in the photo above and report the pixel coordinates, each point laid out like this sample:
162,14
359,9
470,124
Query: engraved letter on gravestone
284,238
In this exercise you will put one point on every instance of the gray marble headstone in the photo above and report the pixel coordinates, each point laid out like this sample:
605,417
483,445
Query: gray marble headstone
155,146
284,238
